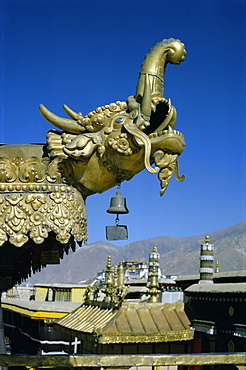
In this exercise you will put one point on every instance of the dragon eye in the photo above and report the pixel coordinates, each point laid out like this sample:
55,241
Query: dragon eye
119,120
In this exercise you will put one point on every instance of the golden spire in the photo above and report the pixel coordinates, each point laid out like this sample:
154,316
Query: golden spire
121,276
154,257
153,288
217,267
115,276
108,281
108,273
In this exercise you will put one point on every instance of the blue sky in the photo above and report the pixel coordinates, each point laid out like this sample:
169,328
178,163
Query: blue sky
88,53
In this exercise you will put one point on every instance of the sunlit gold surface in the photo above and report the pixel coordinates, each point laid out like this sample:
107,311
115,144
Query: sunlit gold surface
114,142
122,361
35,201
43,188
45,315
129,323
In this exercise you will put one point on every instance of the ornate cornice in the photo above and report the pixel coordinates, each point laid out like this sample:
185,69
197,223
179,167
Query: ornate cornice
34,201
146,337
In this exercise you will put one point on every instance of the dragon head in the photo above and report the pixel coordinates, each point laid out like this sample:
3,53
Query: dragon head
116,141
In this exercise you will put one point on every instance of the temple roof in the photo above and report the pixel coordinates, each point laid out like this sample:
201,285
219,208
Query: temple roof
217,288
131,323
39,309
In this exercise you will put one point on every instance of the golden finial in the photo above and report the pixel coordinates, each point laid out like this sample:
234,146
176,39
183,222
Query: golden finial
121,275
109,263
108,273
153,288
207,239
217,266
116,276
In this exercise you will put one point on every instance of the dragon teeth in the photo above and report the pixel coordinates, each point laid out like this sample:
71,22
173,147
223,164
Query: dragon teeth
166,132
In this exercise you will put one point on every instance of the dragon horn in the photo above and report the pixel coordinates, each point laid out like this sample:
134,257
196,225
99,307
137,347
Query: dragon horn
167,51
62,123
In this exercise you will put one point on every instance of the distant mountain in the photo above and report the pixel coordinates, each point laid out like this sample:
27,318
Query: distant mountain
178,256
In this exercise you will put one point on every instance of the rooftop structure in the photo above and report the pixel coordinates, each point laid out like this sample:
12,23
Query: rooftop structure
116,321
130,323
216,310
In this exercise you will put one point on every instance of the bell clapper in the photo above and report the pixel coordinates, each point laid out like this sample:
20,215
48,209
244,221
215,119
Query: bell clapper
117,220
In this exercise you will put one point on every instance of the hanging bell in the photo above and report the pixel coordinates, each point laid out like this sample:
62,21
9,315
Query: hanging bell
117,207
118,204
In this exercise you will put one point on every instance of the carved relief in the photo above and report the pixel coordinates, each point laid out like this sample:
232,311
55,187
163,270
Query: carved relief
34,202
168,164
121,144
122,137
7,170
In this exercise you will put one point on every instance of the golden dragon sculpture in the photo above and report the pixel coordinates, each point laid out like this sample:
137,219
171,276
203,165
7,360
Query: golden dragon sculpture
114,142
43,188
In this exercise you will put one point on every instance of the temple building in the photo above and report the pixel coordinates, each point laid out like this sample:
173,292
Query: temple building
216,307
195,314
116,325
107,322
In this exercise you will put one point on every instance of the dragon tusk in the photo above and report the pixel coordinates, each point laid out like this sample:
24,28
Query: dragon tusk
63,123
71,113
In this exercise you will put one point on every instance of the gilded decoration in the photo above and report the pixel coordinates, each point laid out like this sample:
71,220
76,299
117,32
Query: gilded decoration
43,188
116,141
128,322
171,336
123,362
34,201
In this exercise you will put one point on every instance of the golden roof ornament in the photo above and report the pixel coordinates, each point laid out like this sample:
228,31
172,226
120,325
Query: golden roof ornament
91,154
152,282
154,258
109,282
123,138
121,275
217,269
153,287
43,188
108,273
115,289
35,201
116,276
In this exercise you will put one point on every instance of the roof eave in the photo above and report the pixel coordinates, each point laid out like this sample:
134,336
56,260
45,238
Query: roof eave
172,336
